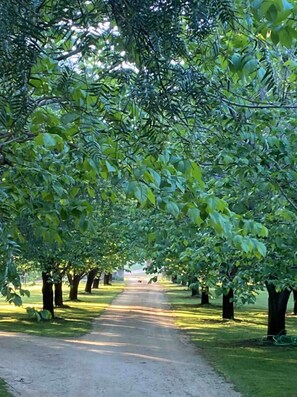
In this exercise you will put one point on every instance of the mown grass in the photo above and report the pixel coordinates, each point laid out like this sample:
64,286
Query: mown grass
74,320
236,348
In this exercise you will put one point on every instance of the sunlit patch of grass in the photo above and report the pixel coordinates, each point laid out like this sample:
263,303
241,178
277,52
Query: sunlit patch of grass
74,320
236,348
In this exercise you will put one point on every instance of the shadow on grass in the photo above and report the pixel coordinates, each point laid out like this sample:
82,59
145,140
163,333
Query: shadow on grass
74,320
237,349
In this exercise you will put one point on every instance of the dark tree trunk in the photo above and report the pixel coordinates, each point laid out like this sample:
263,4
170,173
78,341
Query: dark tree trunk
228,306
74,283
58,294
47,293
193,282
96,283
277,306
107,279
90,279
204,296
174,279
295,301
195,291
183,281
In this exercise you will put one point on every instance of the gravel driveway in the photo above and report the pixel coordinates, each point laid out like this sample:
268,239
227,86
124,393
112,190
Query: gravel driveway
134,350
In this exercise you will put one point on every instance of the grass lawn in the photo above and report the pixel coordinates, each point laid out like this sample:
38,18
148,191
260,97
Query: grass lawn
75,320
236,348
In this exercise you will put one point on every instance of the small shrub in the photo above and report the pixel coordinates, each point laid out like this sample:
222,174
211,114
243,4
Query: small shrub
38,315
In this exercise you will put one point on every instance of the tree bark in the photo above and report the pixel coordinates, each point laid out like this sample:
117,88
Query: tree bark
194,286
74,283
228,305
90,279
204,296
174,279
107,279
97,280
277,307
47,293
58,294
295,301
183,281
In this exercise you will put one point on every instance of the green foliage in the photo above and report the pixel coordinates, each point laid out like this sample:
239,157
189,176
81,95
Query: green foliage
184,108
38,315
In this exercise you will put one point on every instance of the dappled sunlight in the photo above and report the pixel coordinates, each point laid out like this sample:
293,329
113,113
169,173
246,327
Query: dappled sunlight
94,343
4,334
147,357
141,310
135,327
120,349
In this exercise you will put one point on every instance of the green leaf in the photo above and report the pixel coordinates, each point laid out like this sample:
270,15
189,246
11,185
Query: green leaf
150,195
151,237
274,37
196,172
235,62
69,118
45,315
285,38
261,248
155,176
50,141
110,167
194,215
91,192
271,13
245,245
172,208
220,223
141,193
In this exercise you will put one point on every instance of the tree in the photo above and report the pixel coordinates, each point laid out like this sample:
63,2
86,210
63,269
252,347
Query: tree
145,97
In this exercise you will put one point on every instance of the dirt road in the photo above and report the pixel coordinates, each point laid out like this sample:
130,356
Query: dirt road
134,350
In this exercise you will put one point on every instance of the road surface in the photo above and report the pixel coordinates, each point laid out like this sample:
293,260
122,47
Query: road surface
134,350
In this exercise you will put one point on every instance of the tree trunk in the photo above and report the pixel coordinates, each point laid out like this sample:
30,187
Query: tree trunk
174,279
58,294
74,283
295,301
96,281
277,306
228,305
47,293
183,281
204,296
90,279
107,279
193,282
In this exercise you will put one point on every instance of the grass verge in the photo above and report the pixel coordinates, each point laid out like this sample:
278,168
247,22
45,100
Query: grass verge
72,321
236,348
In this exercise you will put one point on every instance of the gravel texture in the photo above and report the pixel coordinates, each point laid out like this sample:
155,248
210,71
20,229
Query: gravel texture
134,350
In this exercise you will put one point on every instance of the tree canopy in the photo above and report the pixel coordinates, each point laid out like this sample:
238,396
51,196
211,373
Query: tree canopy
184,108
